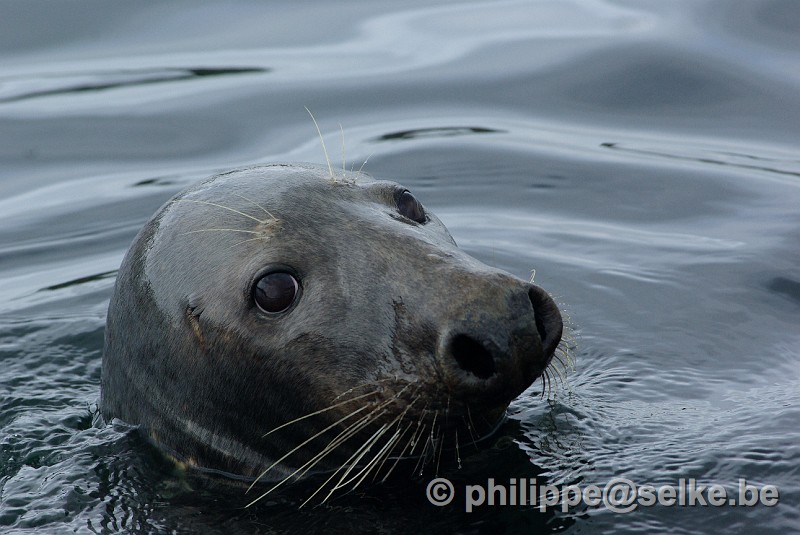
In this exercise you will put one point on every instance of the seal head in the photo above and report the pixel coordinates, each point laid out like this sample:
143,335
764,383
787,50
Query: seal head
281,318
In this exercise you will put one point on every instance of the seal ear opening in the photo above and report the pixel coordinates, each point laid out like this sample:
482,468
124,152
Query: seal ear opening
193,310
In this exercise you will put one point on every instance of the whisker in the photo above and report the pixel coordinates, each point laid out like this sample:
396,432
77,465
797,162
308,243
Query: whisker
430,441
371,464
365,471
422,455
352,462
315,413
234,210
362,386
346,434
306,441
344,160
381,457
416,438
471,426
338,440
365,162
322,140
440,438
389,455
342,437
411,442
332,448
557,362
458,452
486,421
569,358
561,377
251,201
419,431
221,230
350,431
384,450
405,430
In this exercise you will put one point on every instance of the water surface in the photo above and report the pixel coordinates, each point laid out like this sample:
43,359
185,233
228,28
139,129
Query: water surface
641,157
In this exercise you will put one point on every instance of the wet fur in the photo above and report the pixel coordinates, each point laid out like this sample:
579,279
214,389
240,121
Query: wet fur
219,386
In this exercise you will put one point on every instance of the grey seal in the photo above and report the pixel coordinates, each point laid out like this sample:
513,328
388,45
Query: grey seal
280,320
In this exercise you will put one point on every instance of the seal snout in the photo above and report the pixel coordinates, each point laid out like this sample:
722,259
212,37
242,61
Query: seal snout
501,343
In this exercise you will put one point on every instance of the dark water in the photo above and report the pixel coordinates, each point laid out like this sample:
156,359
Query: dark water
642,157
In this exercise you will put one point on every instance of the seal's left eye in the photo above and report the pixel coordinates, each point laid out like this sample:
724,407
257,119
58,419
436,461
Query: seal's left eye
276,291
410,207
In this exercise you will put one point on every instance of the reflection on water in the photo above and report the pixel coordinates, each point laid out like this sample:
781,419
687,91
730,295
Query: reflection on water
642,158
445,131
101,81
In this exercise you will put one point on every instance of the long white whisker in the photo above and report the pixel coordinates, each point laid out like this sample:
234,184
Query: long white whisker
349,431
362,385
441,448
365,162
458,452
222,230
471,427
419,431
378,456
251,201
326,409
399,456
383,450
389,454
359,454
399,421
344,164
337,441
343,483
342,437
429,441
322,140
322,486
234,210
306,441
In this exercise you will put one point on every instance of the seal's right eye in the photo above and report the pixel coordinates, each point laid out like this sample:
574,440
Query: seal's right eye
410,207
275,292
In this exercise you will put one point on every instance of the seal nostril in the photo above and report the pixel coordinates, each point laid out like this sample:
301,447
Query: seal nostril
536,302
471,356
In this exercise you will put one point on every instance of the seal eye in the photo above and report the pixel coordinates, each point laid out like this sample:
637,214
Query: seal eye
275,292
409,207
